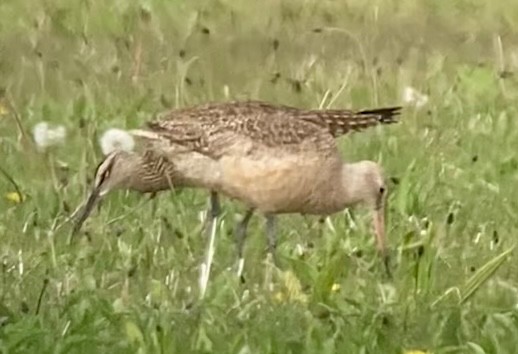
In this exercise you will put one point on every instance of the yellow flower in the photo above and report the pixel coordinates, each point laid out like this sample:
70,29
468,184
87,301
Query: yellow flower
291,289
336,287
279,297
14,197
3,109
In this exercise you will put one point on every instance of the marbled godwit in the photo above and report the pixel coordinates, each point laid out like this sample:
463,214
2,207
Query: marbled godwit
278,159
284,148
173,166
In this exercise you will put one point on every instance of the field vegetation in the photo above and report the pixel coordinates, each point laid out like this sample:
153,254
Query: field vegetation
129,282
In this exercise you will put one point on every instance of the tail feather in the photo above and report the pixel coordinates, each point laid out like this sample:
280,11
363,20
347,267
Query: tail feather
341,122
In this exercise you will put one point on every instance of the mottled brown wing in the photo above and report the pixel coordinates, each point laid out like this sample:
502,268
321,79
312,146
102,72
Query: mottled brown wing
216,129
337,121
221,112
218,137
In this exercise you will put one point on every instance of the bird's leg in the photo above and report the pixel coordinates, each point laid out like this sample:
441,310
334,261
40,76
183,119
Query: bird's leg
379,229
272,237
241,230
321,225
270,233
213,212
152,196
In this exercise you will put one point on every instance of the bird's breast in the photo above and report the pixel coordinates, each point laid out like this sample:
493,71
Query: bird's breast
274,185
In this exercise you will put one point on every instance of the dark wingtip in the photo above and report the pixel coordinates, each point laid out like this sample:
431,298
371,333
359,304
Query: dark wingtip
386,115
153,125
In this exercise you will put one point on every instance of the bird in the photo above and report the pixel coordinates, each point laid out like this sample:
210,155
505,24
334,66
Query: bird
185,148
161,165
279,160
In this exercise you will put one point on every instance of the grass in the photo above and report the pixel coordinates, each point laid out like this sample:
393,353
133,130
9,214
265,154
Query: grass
132,285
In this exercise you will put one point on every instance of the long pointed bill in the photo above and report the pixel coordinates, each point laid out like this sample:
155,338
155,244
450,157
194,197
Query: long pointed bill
379,230
89,206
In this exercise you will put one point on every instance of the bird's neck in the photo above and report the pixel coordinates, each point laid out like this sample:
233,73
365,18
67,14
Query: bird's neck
352,189
195,170
341,188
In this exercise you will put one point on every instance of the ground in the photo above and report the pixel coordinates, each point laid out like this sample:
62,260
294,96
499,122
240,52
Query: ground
129,282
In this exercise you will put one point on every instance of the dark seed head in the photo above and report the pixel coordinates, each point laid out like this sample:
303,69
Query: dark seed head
178,233
82,123
426,223
88,236
275,44
505,74
297,86
166,223
132,271
450,219
119,231
275,77
420,251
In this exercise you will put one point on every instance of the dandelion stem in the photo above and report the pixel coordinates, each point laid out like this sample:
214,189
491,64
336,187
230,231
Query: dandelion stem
17,117
11,180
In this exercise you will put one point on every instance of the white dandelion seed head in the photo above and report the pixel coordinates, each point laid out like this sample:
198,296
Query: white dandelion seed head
116,139
45,136
413,97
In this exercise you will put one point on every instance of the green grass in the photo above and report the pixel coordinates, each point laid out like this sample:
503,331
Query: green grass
132,286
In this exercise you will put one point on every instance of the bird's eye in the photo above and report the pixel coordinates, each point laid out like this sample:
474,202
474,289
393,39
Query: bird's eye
105,175
103,171
382,190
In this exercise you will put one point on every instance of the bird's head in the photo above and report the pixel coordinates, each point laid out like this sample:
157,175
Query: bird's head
111,173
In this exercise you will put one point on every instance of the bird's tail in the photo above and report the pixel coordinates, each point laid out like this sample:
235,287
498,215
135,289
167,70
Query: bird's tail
340,122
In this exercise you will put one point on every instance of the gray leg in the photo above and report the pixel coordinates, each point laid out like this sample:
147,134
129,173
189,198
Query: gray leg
271,234
213,212
321,225
272,260
211,233
241,230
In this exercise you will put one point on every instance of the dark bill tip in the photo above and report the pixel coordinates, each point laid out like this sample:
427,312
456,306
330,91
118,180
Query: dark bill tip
89,206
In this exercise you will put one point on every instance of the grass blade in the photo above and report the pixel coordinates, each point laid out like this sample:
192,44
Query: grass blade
483,275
